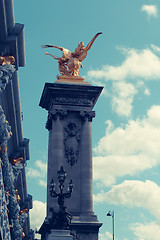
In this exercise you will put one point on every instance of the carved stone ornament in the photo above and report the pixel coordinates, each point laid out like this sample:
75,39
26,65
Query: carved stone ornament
6,73
54,114
71,143
58,113
6,60
87,115
49,122
9,180
71,101
4,220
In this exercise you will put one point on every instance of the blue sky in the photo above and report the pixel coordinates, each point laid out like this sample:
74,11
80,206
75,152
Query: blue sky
125,59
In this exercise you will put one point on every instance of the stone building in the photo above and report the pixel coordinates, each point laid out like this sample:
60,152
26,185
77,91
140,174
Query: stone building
15,202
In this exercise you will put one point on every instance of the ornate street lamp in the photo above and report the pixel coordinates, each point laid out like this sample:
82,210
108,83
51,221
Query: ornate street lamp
111,214
61,175
62,219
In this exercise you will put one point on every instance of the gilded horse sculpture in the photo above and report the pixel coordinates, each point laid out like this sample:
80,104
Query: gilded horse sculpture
70,62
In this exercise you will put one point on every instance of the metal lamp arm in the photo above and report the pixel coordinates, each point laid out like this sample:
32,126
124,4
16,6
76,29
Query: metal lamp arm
53,194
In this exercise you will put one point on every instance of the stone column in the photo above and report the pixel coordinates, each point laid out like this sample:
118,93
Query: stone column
55,150
86,163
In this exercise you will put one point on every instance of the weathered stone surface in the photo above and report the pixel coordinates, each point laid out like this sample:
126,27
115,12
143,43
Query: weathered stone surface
6,73
69,96
60,235
70,144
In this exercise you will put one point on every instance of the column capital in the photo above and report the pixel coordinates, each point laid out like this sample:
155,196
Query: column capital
87,115
58,113
53,115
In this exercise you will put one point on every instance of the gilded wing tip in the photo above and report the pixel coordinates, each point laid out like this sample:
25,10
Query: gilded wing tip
43,46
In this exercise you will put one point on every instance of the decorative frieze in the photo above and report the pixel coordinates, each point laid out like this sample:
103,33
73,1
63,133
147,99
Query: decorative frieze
72,101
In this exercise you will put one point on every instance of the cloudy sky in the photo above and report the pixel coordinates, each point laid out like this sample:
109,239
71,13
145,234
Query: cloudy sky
125,60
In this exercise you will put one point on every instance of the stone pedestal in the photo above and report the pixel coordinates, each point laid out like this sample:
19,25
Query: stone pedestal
71,79
70,114
60,235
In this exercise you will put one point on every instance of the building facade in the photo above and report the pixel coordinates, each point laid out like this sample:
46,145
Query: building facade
15,201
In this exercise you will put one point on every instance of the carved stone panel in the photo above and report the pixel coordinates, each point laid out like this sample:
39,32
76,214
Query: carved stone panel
71,142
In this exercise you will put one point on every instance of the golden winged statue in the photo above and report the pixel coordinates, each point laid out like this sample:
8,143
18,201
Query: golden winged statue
70,62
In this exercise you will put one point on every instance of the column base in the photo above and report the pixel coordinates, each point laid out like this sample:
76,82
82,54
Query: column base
86,227
59,235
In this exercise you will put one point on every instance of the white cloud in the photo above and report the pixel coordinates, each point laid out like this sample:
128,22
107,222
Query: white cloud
42,166
38,172
155,48
146,231
37,214
137,64
33,173
123,96
134,194
131,149
107,169
147,92
137,67
105,236
150,10
42,183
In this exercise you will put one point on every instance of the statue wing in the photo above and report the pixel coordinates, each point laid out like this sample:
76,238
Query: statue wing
84,53
66,52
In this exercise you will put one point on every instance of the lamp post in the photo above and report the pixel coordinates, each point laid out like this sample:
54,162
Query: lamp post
61,219
111,214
